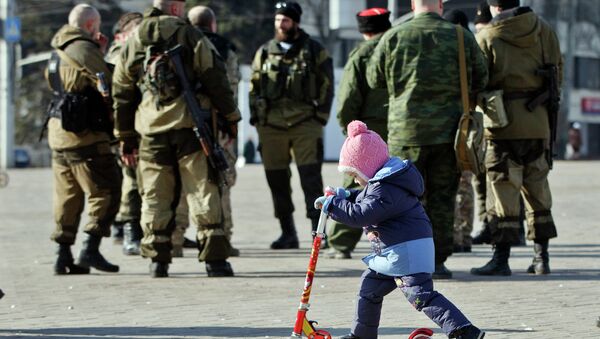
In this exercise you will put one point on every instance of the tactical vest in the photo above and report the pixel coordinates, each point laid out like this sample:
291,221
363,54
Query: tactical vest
293,78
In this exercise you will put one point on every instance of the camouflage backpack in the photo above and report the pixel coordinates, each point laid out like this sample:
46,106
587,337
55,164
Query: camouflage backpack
159,76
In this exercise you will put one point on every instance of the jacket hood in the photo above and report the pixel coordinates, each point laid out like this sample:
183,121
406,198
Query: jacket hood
67,34
401,173
519,27
158,27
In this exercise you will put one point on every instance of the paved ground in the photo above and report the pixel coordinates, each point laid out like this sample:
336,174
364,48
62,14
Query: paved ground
261,301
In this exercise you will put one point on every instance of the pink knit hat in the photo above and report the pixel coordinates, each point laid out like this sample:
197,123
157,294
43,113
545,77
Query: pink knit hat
363,152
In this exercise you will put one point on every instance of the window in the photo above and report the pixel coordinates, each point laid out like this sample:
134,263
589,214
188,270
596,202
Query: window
587,73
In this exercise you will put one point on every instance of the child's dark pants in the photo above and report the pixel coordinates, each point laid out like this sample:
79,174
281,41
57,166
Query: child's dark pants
418,289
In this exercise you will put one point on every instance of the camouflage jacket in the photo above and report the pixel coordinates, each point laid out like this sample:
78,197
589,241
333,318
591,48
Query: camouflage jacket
135,106
80,60
516,43
289,87
228,52
418,63
355,100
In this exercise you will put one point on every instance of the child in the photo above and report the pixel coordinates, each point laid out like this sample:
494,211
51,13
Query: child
395,222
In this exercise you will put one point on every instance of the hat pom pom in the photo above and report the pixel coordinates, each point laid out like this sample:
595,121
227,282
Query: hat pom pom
356,127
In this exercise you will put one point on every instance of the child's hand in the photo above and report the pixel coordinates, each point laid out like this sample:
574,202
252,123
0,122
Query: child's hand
322,203
337,191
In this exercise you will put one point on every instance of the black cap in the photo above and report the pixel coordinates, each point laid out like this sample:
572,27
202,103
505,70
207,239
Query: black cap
373,20
483,15
291,9
457,17
504,4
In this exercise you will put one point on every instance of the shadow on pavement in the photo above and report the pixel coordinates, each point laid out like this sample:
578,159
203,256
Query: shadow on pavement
175,332
521,275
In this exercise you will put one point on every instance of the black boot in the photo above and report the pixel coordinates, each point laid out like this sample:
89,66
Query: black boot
159,269
1,294
288,238
468,332
90,255
484,236
64,263
187,243
541,259
132,235
219,268
499,263
116,232
441,271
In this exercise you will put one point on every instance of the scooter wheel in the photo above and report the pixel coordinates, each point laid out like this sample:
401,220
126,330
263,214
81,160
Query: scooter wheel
421,333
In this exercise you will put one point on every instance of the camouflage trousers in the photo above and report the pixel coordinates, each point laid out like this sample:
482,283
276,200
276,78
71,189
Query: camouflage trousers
342,237
437,165
518,167
464,210
170,163
90,171
182,216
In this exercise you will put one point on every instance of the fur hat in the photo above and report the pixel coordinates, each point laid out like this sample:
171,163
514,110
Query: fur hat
373,20
363,151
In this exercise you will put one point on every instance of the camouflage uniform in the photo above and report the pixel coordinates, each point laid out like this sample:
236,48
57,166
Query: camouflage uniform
517,43
170,155
464,212
290,99
228,52
356,101
83,163
515,154
418,63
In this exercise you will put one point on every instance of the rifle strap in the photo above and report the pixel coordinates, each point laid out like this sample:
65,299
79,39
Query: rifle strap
54,74
462,65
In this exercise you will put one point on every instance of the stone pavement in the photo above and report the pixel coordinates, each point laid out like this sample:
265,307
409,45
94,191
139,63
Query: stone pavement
261,301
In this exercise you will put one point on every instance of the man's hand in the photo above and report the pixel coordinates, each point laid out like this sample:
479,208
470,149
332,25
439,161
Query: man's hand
102,40
129,151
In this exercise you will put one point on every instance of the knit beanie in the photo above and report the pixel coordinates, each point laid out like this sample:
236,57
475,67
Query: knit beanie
504,4
457,17
291,9
373,20
483,15
363,151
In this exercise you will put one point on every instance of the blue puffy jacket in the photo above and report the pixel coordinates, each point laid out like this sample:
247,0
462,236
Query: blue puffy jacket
390,206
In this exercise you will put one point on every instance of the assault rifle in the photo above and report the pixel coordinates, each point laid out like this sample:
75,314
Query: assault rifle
210,147
551,98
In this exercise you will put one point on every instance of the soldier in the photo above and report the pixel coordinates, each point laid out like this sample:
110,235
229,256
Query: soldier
290,99
170,156
78,134
204,19
128,218
356,101
518,43
418,63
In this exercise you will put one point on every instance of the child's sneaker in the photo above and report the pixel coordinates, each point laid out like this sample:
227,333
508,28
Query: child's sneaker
468,332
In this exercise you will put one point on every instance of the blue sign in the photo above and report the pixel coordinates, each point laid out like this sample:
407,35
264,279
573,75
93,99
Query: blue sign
12,29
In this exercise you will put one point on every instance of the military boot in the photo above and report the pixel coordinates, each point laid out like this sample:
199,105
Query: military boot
541,259
499,263
468,332
219,268
441,271
159,269
90,255
288,238
116,232
1,294
132,235
65,263
484,236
